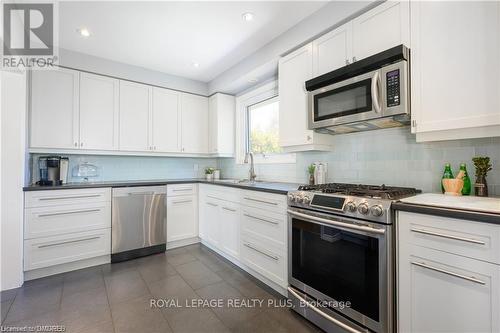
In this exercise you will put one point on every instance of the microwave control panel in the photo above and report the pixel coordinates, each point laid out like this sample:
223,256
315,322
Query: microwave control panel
393,88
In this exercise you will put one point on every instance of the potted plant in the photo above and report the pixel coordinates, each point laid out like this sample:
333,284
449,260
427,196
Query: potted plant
209,173
482,165
310,169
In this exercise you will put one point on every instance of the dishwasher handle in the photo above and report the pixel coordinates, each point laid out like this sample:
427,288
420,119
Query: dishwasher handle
137,191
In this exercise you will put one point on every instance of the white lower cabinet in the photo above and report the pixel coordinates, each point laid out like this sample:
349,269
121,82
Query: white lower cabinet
66,227
248,228
442,288
182,219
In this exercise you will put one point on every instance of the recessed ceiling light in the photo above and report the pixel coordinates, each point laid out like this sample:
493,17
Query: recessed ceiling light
84,32
247,17
253,80
195,64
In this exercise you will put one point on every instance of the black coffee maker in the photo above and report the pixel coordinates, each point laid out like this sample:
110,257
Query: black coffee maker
49,167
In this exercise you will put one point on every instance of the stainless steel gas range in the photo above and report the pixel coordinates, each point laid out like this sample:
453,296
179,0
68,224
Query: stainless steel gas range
341,257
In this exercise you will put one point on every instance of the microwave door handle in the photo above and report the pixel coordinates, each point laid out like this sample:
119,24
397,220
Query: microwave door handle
375,92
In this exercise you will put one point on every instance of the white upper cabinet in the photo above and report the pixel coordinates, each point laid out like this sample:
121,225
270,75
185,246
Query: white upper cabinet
54,109
455,69
333,50
135,103
99,111
294,69
194,124
221,109
381,28
165,121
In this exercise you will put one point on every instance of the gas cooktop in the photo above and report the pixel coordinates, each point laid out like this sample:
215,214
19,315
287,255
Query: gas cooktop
360,190
366,202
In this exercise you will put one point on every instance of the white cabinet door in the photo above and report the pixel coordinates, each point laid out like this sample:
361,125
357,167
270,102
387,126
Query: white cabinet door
211,222
135,102
455,69
165,121
442,292
230,228
99,110
381,28
194,123
221,109
182,217
333,50
54,109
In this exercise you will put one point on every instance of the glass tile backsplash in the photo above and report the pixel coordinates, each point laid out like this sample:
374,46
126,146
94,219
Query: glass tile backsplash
390,157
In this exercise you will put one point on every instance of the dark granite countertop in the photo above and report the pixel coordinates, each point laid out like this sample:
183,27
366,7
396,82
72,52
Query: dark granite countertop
270,187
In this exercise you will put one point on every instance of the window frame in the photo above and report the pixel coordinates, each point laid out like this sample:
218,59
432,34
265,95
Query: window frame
243,102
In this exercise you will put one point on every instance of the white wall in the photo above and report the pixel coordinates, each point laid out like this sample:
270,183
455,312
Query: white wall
12,177
120,70
263,63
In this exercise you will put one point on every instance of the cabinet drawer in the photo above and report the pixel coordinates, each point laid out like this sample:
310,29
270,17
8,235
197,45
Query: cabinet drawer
265,258
66,197
56,220
466,238
267,201
181,189
220,192
264,224
48,251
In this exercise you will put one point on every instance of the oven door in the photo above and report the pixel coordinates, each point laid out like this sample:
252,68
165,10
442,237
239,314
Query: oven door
355,99
336,259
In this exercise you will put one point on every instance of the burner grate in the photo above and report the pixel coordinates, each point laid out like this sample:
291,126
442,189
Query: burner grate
368,191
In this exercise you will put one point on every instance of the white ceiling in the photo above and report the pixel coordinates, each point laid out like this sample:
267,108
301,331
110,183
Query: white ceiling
170,36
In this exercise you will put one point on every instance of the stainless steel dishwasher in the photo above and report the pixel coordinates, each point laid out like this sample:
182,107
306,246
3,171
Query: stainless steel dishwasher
138,226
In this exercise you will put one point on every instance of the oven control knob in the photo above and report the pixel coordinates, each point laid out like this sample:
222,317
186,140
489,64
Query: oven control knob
363,208
291,197
351,206
377,210
306,199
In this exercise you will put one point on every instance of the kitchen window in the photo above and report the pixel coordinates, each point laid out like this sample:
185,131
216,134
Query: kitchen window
257,126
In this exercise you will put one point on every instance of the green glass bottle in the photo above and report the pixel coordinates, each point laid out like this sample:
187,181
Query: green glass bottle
467,184
446,175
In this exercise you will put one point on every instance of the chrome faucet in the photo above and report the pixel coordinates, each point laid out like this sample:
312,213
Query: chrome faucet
251,172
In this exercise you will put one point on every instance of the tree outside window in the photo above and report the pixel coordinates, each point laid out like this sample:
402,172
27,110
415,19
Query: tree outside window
263,127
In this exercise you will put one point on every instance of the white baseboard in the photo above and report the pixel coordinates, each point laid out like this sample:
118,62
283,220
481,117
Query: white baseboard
72,266
182,242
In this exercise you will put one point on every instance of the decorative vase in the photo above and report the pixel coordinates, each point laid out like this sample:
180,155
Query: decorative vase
210,176
481,186
311,179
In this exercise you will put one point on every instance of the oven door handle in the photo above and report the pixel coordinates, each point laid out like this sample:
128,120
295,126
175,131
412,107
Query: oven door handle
374,91
337,223
324,315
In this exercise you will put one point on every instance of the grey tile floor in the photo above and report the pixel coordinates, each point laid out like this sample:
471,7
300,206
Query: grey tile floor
116,298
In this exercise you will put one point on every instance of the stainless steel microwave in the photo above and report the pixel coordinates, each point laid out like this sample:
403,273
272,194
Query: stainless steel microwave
371,95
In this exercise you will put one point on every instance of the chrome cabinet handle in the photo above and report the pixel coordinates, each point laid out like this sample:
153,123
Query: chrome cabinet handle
211,196
444,271
182,189
261,219
212,204
250,246
374,92
142,193
437,234
181,201
71,197
68,213
81,144
69,242
76,144
262,201
324,315
337,223
229,209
